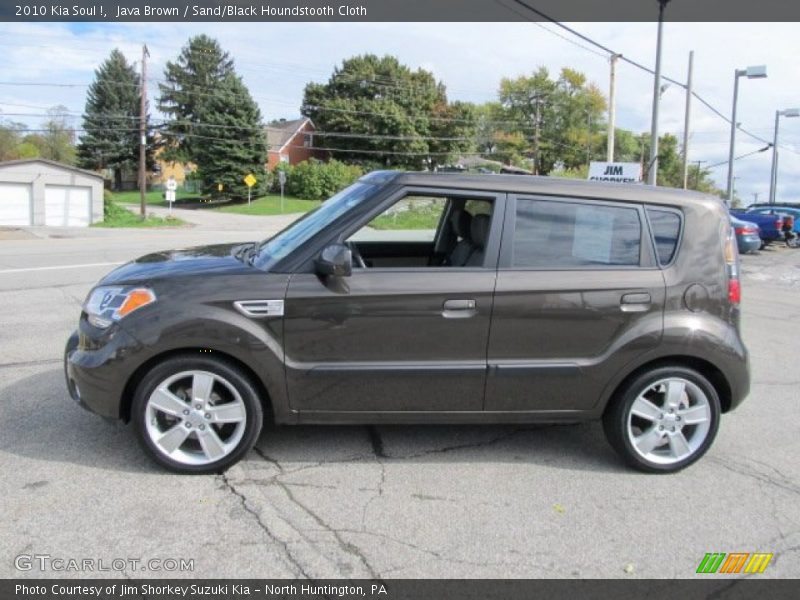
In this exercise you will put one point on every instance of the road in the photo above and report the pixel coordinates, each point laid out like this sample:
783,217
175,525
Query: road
455,502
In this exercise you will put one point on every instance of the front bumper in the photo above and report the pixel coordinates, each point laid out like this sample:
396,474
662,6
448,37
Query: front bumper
95,370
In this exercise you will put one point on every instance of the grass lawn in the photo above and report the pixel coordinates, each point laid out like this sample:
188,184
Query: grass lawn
154,197
418,218
122,217
270,205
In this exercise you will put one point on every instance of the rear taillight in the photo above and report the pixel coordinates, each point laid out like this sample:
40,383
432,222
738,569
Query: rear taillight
732,265
745,230
734,291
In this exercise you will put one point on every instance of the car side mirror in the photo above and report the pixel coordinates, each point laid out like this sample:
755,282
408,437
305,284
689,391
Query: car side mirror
336,260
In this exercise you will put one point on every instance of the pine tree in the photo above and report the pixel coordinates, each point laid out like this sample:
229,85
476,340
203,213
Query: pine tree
233,141
192,84
111,119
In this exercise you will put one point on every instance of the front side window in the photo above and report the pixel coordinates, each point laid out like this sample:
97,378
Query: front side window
302,230
412,219
555,234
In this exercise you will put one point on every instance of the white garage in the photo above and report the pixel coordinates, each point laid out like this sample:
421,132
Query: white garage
67,206
16,207
45,192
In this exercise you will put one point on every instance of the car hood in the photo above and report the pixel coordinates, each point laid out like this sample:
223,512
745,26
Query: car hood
201,260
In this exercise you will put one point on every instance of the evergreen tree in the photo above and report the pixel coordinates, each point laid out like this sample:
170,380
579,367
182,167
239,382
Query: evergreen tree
232,138
191,91
111,119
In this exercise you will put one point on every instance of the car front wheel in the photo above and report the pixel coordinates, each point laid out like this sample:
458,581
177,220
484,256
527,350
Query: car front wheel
664,419
196,414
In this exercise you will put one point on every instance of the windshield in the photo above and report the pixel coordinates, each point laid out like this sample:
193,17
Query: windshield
302,230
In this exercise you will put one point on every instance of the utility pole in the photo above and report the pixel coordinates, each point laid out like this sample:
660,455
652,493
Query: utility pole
537,117
697,172
652,171
755,197
143,133
686,120
612,106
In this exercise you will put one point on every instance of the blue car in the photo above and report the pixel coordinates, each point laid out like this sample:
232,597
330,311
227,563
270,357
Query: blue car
748,236
777,209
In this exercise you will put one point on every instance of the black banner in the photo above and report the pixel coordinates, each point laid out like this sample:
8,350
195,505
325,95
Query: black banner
398,589
397,10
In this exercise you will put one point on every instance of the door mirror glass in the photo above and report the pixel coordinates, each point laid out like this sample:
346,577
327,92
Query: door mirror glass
335,260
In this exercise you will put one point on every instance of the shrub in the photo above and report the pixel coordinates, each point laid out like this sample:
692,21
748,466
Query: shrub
111,209
315,180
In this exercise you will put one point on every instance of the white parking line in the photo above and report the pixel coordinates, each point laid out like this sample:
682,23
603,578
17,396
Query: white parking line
107,264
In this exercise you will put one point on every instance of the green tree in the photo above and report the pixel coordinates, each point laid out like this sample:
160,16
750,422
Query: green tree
387,113
56,141
570,113
190,96
11,135
234,144
111,119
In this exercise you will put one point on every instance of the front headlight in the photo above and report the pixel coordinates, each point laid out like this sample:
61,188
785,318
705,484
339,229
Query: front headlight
105,305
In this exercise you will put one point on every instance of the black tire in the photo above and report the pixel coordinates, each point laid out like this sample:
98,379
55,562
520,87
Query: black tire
615,419
230,372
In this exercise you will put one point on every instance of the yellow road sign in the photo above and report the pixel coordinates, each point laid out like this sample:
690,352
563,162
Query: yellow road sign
250,180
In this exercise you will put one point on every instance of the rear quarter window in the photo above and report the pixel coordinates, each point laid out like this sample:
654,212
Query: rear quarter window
666,227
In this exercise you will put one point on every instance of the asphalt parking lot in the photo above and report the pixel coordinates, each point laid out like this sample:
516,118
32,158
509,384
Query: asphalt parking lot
452,502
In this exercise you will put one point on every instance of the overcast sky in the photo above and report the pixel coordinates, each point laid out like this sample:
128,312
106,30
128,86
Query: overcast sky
277,59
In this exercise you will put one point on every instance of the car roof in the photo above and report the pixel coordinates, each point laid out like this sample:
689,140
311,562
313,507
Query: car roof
552,186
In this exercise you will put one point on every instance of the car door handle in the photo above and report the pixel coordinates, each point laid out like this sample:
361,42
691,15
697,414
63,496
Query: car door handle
459,309
636,302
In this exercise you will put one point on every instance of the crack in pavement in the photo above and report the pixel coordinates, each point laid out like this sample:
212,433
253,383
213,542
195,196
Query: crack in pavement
30,363
348,547
243,499
786,485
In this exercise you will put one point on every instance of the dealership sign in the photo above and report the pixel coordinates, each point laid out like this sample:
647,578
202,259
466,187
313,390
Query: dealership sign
618,172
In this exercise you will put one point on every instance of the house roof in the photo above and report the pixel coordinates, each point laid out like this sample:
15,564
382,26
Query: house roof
50,163
279,133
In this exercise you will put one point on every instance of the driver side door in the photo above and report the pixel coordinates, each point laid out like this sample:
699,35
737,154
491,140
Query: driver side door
400,334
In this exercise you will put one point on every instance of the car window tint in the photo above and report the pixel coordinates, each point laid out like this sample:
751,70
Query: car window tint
564,234
666,227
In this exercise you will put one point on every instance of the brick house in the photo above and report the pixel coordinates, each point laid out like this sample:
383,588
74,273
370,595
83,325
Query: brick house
291,142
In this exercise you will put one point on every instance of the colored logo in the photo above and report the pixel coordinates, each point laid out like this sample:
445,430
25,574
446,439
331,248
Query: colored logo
734,562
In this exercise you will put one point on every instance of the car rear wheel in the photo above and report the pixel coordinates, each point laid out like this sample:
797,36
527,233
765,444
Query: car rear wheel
664,419
196,414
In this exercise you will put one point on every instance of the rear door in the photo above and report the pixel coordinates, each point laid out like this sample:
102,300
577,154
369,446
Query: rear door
578,295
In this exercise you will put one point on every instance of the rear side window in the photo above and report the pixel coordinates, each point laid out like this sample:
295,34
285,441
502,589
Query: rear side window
666,227
553,235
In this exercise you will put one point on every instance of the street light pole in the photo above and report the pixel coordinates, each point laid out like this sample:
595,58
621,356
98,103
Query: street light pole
773,179
612,107
652,172
757,72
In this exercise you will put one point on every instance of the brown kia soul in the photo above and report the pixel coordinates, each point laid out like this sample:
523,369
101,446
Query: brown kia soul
431,298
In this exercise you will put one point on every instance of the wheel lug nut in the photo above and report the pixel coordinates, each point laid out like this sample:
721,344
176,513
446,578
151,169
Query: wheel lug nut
672,429
202,426
188,425
661,428
660,415
186,412
678,418
197,406
207,415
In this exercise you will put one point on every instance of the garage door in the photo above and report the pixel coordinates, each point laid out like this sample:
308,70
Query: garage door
67,205
15,204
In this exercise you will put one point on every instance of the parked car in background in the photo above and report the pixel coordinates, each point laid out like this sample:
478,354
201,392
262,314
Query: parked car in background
748,236
492,299
786,210
770,226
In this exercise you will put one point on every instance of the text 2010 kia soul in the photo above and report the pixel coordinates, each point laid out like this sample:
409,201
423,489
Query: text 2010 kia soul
431,298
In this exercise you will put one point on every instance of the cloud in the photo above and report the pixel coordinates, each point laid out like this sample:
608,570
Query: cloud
276,60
